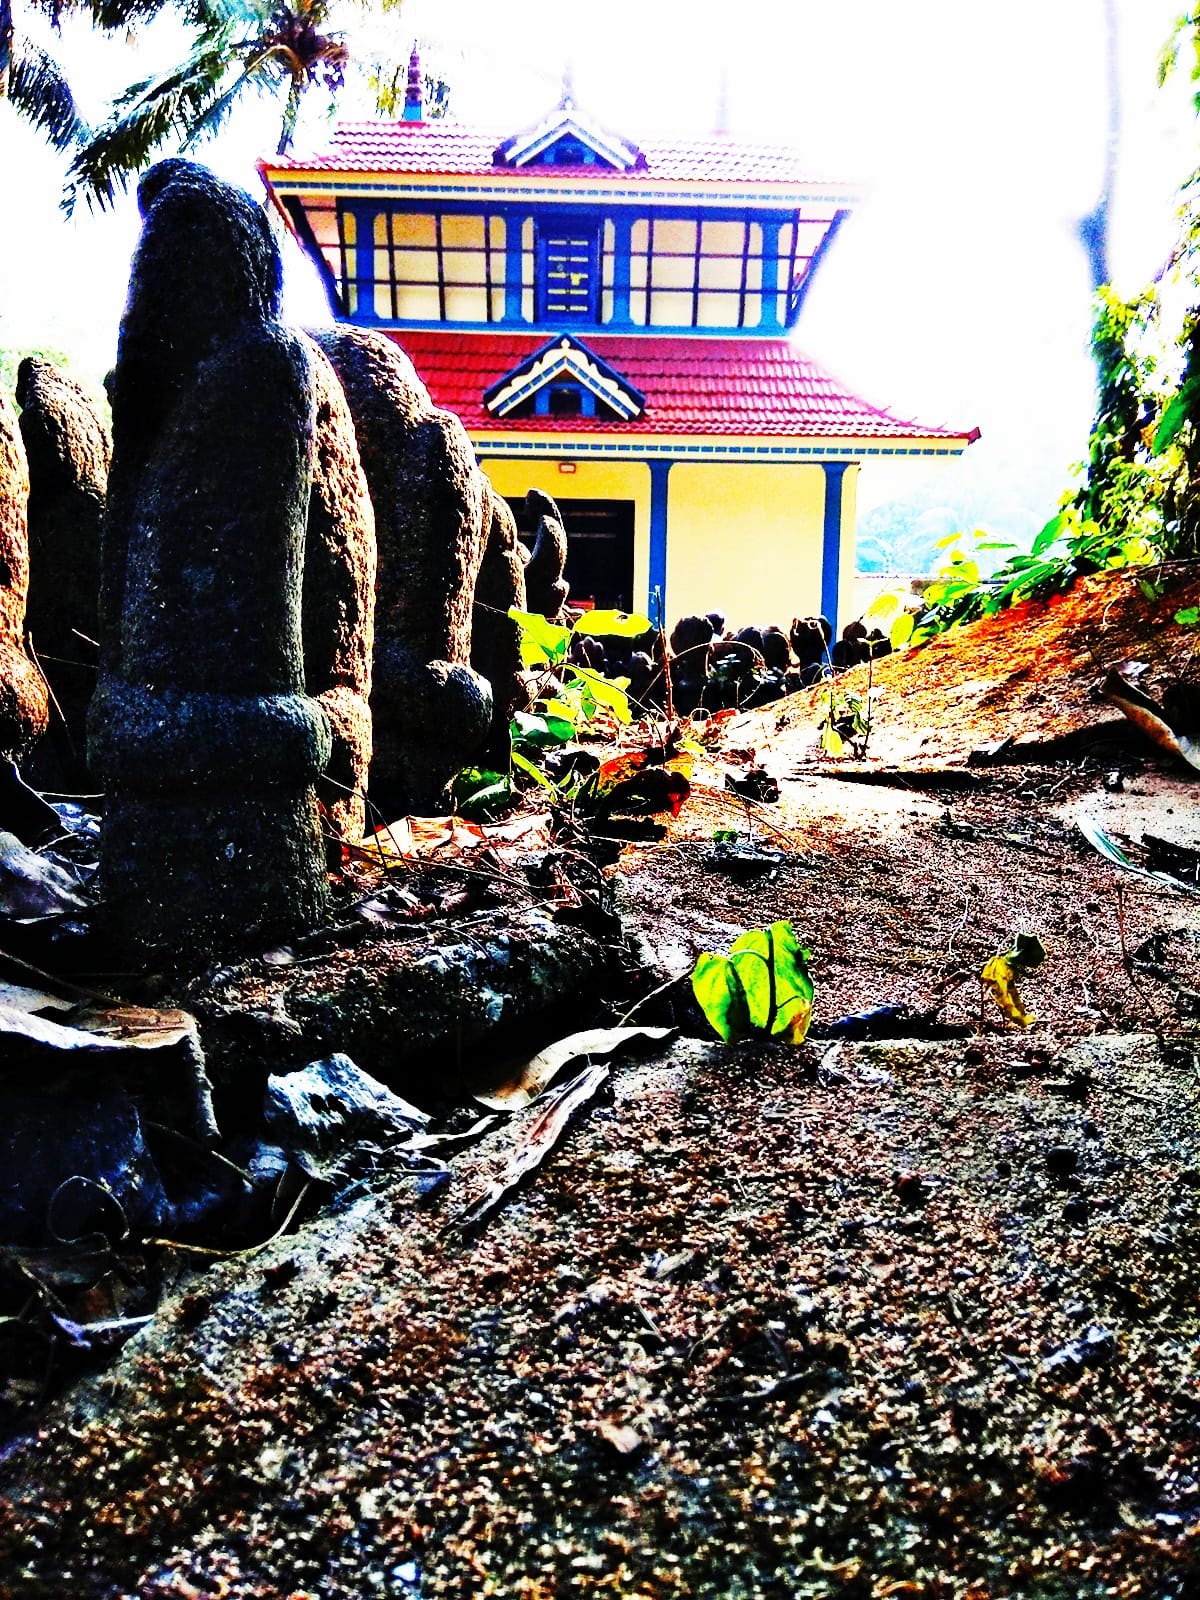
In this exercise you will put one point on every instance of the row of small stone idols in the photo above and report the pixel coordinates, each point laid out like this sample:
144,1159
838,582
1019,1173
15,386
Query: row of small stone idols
280,563
713,669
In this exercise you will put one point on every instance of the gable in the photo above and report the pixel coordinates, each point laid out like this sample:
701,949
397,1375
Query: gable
564,359
566,138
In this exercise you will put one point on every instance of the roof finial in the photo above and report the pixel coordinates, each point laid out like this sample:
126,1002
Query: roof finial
722,124
414,109
567,101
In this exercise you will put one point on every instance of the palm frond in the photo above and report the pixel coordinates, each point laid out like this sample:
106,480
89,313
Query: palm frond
144,117
40,92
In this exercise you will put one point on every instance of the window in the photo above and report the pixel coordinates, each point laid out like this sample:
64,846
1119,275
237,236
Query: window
566,400
567,273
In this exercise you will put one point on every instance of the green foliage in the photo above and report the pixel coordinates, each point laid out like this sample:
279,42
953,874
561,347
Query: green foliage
762,988
481,795
583,692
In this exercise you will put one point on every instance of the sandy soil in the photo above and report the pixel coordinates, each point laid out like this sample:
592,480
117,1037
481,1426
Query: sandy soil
912,1317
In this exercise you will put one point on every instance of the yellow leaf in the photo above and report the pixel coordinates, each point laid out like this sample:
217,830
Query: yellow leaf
998,978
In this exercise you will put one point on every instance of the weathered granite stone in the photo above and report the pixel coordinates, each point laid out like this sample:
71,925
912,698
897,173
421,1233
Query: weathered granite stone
200,727
68,449
495,638
23,702
691,646
338,615
545,588
432,712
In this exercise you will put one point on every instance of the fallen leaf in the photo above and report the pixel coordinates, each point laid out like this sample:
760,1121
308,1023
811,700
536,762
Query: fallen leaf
624,1440
999,979
530,1080
537,1141
32,887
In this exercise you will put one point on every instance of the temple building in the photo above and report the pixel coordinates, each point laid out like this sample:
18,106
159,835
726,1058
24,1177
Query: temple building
612,323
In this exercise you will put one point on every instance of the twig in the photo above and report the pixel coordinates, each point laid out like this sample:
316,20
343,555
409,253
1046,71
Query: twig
654,993
233,1255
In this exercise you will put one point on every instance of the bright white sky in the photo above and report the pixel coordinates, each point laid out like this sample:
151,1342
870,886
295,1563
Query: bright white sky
957,292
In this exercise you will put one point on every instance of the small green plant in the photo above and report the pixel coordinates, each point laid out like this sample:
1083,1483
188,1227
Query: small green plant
845,721
760,989
576,697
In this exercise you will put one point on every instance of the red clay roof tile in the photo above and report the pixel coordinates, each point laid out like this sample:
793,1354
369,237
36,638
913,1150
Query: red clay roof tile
692,385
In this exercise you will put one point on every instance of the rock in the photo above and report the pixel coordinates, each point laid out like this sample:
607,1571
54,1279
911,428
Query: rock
338,612
323,1110
1076,1209
1095,1348
495,637
73,1161
432,713
691,647
545,587
68,449
810,638
1061,1160
23,701
911,1190
200,727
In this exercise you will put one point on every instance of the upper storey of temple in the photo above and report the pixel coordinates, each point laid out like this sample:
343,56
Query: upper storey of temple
563,225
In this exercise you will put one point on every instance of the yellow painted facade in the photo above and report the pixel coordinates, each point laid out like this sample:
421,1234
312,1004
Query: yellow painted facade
745,540
591,480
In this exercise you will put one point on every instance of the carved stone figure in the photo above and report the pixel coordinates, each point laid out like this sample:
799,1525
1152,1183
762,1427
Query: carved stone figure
495,638
23,701
432,712
691,646
68,449
545,587
200,727
338,614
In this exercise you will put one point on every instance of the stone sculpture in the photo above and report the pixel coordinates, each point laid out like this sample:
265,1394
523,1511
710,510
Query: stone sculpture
691,647
200,727
495,638
23,700
432,712
545,587
68,449
338,613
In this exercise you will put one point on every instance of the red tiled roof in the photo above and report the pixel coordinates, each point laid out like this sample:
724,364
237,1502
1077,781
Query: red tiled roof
454,150
693,385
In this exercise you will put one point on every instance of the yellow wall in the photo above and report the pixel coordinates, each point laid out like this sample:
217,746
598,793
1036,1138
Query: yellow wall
745,539
847,611
591,480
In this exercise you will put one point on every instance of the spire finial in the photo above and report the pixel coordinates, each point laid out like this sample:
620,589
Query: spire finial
414,93
722,124
567,101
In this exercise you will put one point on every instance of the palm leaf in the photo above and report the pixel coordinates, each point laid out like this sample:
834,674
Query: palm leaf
41,94
144,117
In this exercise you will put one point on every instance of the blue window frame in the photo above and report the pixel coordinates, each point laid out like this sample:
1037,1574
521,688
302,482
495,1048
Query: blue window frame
568,271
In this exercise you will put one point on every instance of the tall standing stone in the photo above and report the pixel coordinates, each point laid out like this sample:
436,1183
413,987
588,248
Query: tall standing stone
431,712
545,586
339,601
68,448
23,703
209,747
495,637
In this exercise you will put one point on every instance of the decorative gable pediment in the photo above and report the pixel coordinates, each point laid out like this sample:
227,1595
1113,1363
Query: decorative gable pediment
566,138
564,359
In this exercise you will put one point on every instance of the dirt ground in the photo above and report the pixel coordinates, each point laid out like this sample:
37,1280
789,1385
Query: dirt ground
908,1317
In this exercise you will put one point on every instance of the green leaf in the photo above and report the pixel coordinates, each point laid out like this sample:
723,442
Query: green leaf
773,969
1189,617
480,794
542,643
1049,534
901,630
542,732
1027,952
725,836
530,768
1176,414
603,692
883,605
720,996
944,544
831,740
614,624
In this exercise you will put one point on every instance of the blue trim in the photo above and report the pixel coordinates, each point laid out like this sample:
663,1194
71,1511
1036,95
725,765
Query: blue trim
622,252
636,399
514,324
796,306
638,447
363,276
514,287
785,202
657,582
831,540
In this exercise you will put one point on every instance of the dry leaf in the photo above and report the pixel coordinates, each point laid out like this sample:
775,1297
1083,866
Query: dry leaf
529,1081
